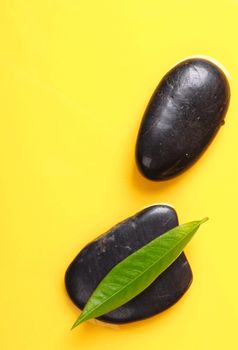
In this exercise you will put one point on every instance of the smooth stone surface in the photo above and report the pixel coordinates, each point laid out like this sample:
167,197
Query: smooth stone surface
99,256
183,116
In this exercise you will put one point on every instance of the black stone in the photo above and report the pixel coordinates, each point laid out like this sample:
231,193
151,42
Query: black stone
99,256
183,116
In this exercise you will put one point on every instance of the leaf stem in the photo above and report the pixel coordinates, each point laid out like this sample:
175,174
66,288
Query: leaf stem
204,220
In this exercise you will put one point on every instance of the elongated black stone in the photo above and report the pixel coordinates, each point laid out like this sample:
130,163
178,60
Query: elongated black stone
183,116
99,256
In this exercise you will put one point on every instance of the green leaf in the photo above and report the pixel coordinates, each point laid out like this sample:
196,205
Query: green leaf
135,273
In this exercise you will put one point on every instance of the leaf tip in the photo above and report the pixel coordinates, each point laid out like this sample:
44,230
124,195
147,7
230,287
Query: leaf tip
77,323
74,326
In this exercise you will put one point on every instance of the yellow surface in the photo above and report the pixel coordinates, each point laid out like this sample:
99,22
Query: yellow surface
75,77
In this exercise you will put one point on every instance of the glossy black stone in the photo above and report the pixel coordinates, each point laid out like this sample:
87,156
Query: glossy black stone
99,256
183,116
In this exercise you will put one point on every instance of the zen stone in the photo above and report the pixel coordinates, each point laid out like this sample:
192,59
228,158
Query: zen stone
183,116
98,258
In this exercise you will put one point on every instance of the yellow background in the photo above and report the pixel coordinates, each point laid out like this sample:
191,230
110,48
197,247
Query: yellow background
75,77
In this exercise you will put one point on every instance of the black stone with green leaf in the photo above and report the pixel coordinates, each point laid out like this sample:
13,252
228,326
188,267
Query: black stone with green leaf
100,256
